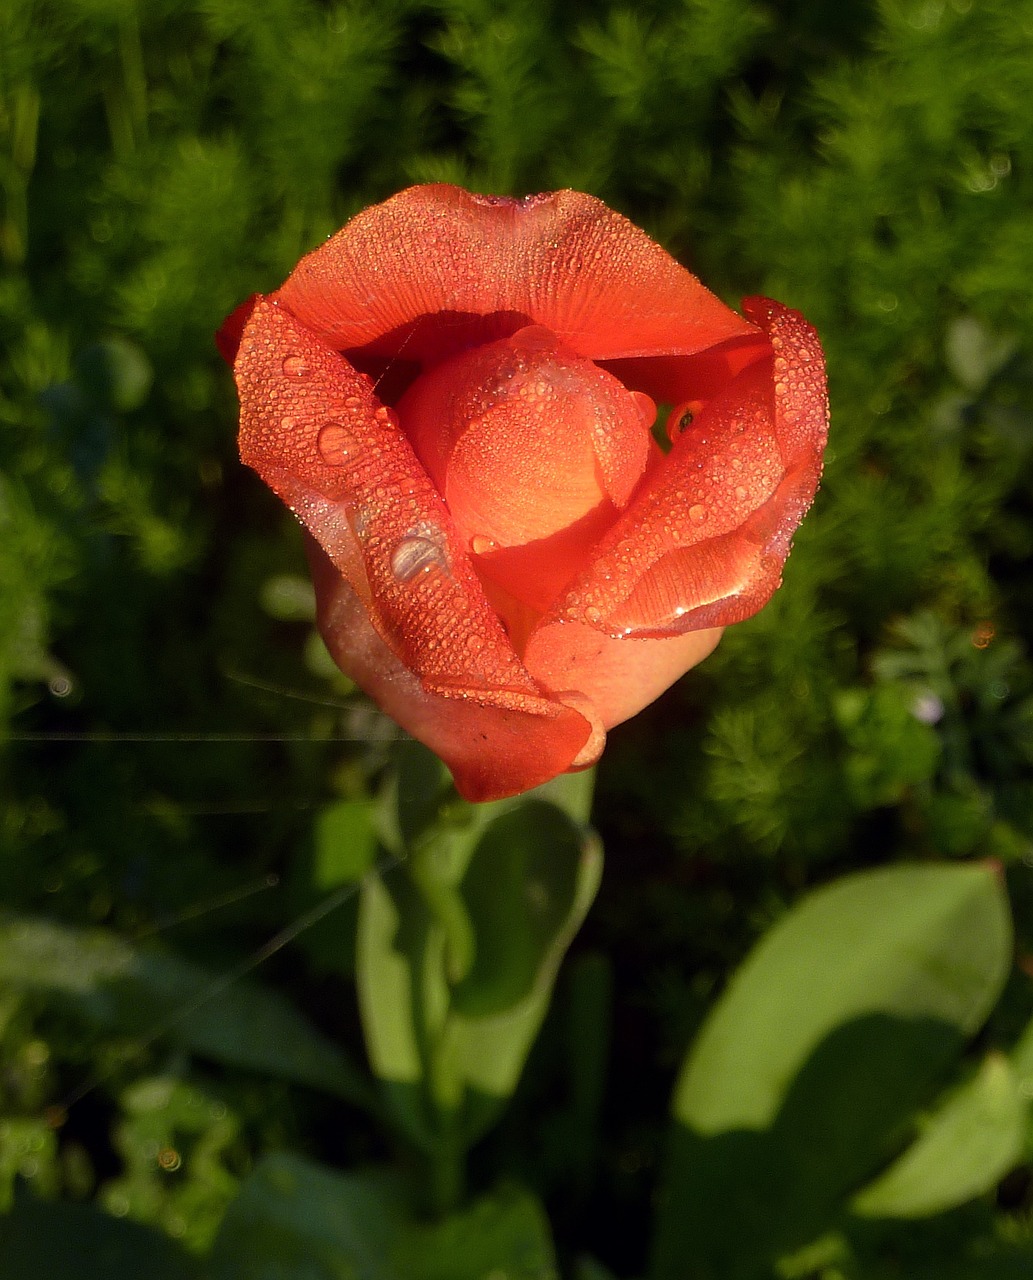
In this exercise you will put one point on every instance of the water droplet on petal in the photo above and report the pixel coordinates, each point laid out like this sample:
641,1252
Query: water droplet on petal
295,366
646,407
697,513
336,444
419,552
482,546
592,614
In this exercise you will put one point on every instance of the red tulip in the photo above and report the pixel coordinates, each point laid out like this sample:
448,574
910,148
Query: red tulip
455,395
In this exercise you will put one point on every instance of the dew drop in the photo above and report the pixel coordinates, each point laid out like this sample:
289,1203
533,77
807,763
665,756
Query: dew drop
352,402
295,366
592,614
288,423
482,546
474,642
646,407
336,444
741,492
417,553
697,513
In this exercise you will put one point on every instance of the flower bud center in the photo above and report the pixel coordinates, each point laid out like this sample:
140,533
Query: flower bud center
535,450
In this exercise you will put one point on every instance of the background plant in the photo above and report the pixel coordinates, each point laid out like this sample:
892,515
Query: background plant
184,771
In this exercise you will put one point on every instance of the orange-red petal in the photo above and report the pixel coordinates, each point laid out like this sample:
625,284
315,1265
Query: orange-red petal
535,449
495,747
432,650
563,260
619,676
704,541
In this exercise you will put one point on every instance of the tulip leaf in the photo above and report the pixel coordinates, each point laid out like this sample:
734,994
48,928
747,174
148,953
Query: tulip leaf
835,1032
295,1220
393,983
413,795
107,981
519,888
571,792
1022,1059
546,874
967,1147
442,1038
344,847
56,1240
345,843
908,942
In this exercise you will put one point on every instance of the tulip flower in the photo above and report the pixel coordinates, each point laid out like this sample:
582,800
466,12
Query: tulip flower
540,464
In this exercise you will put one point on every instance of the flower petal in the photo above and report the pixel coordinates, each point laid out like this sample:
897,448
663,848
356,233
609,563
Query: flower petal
432,647
704,542
562,260
494,748
620,675
534,449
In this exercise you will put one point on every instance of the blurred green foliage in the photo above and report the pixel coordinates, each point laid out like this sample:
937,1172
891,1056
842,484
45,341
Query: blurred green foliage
183,767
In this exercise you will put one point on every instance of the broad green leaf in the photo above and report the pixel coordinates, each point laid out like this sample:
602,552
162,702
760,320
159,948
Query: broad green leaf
519,889
907,942
835,1032
1022,1060
251,1027
295,1220
344,847
504,1234
345,843
571,792
55,1241
123,988
394,933
437,1037
967,1147
529,887
412,798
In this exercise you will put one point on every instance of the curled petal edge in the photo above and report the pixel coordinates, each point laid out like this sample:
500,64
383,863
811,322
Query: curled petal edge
703,543
399,577
561,259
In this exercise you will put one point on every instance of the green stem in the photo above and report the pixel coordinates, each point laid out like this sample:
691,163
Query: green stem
446,1181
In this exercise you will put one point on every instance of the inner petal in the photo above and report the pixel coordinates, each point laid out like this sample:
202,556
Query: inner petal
535,449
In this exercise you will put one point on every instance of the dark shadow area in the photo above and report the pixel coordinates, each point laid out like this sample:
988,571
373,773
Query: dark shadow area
736,1201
